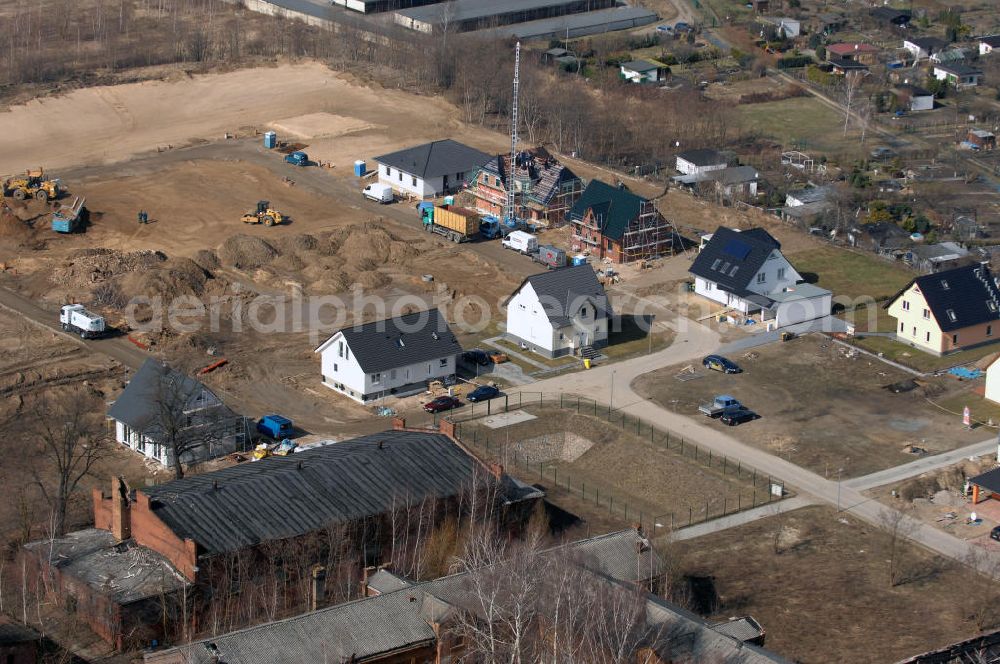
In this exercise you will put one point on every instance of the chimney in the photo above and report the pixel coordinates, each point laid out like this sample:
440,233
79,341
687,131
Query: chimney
121,522
318,590
496,469
398,423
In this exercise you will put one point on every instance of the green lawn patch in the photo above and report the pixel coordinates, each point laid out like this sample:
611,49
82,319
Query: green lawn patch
851,274
801,121
918,359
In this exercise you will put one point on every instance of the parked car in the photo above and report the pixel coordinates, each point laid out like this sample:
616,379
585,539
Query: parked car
681,26
736,417
442,404
483,393
882,153
721,405
719,363
995,533
476,356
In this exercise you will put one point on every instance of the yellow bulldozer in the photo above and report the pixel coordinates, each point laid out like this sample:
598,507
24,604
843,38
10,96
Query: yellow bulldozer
31,185
264,214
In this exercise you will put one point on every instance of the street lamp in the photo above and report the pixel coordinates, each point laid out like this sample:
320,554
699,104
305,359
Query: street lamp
611,405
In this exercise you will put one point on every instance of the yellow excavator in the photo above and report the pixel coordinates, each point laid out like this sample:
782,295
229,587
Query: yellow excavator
264,214
31,185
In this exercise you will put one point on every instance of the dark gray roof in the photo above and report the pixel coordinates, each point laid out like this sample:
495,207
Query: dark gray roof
397,621
13,633
640,66
959,69
811,194
124,571
281,497
992,40
471,10
734,174
914,90
437,158
619,555
137,405
743,629
959,297
561,292
732,258
703,157
927,43
397,342
581,24
990,480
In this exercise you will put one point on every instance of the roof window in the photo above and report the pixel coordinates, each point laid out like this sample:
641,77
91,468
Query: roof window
951,315
944,284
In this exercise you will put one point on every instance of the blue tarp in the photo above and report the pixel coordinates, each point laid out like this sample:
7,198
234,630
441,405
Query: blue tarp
962,372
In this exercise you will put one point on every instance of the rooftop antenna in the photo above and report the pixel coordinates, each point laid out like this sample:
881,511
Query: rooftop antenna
510,213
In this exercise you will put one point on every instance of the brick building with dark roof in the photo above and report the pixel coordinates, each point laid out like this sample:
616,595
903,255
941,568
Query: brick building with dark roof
613,223
155,550
545,189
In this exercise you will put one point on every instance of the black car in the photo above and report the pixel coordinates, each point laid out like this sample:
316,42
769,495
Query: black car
719,363
995,533
740,416
476,356
483,393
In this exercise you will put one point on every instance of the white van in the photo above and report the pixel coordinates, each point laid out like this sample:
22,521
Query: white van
381,193
526,243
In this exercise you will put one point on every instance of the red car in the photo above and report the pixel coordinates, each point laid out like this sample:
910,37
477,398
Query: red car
441,404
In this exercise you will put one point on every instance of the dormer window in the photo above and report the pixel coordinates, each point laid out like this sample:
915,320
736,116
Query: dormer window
732,273
951,315
716,263
944,284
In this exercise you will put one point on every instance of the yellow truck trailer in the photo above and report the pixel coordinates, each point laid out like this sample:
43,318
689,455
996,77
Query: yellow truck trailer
455,223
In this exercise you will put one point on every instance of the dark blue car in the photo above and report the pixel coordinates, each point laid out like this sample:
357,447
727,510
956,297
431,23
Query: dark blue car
483,393
719,363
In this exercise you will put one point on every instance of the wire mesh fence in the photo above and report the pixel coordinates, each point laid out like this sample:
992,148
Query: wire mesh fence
753,488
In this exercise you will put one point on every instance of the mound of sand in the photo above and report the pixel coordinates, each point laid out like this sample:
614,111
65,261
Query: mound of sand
180,276
12,227
372,279
206,259
245,252
290,244
89,266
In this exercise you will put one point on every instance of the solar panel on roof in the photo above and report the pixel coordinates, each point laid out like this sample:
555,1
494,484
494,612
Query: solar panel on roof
737,249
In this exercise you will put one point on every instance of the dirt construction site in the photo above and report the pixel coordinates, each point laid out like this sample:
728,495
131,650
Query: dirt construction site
197,170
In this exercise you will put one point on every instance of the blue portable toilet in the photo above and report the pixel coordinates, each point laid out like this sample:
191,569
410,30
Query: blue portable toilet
360,168
449,200
270,140
579,259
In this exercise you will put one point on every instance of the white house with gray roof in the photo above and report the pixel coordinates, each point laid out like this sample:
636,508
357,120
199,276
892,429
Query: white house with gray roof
559,312
431,169
390,357
161,405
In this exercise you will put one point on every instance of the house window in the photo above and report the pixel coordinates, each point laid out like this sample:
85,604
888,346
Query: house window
414,181
388,171
716,263
498,181
989,330
914,331
392,374
340,349
906,305
334,367
459,176
954,339
761,277
781,273
901,326
376,378
401,176
444,362
609,244
944,285
927,314
583,312
928,336
951,315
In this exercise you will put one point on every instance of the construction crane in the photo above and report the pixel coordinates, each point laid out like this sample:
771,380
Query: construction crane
510,211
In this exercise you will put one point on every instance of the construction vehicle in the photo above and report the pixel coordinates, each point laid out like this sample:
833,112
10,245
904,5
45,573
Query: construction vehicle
68,217
297,158
75,318
455,223
264,214
275,426
31,185
490,228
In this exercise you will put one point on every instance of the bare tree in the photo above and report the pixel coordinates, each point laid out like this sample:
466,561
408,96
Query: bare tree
71,443
898,526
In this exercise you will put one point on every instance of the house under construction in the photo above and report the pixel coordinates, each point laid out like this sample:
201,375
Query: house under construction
613,223
544,189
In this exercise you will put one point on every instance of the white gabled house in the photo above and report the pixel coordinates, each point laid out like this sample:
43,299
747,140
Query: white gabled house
700,161
559,312
746,272
160,403
390,357
431,169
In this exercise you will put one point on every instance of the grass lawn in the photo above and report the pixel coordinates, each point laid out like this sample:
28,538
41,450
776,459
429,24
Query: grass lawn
918,359
632,339
852,274
818,581
538,357
804,122
980,409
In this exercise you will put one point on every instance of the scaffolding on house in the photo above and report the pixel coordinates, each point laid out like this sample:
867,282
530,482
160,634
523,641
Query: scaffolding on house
648,236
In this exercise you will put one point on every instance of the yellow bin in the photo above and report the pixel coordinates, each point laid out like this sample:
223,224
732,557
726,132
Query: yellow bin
586,363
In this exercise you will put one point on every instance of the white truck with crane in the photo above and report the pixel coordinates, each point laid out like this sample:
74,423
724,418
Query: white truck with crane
76,319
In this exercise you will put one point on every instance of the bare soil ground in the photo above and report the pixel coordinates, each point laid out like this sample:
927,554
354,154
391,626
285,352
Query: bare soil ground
825,597
589,451
821,407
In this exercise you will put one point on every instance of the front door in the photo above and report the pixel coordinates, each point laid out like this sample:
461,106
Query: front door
444,183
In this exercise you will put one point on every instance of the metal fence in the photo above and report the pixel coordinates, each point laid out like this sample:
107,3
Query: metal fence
761,488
